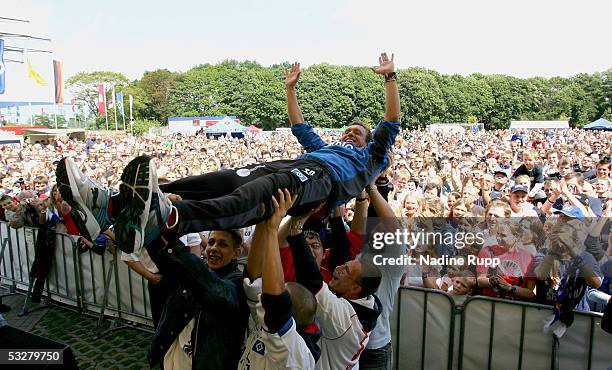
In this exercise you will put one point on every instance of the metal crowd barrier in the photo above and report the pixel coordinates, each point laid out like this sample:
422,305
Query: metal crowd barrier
99,285
432,331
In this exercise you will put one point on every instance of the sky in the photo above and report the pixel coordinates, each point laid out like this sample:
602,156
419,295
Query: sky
520,38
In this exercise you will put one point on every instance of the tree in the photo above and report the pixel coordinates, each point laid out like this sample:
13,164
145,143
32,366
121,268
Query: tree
157,86
84,87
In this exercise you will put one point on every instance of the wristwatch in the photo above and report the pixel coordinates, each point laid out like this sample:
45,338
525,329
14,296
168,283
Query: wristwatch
390,77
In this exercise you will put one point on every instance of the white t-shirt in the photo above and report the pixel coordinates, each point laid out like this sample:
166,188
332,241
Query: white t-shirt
191,239
343,337
180,353
284,349
143,257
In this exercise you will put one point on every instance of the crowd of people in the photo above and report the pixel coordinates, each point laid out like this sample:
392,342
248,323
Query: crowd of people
541,200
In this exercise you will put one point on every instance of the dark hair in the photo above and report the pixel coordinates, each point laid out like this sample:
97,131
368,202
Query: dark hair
236,237
370,276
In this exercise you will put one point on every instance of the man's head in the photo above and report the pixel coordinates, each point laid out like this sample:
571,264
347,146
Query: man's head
565,166
357,133
223,247
603,168
529,158
357,278
8,203
303,304
518,196
313,239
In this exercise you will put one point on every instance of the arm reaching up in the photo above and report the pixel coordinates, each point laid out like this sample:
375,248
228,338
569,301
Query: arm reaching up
386,67
291,78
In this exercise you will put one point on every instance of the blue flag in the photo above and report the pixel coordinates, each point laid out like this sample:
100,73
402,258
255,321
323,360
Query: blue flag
1,66
119,96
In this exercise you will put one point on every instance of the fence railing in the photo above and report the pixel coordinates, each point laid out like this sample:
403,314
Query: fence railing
100,285
430,329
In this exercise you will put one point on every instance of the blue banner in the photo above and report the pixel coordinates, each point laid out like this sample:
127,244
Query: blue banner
119,97
1,66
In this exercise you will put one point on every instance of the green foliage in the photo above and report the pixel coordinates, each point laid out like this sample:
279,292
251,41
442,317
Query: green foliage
332,96
49,120
142,126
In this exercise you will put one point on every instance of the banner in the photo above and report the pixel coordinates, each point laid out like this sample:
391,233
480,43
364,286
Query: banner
101,100
111,103
120,103
1,66
72,107
35,75
57,77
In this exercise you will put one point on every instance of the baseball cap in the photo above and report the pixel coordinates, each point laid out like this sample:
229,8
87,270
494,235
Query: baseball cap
571,211
499,169
523,188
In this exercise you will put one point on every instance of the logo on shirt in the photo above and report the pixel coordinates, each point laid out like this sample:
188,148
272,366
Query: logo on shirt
299,174
259,347
345,144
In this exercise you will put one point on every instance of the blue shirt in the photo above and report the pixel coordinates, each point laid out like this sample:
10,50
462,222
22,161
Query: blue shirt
351,167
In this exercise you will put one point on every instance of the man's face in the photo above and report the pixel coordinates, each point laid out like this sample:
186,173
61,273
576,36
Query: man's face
355,134
40,187
596,147
601,186
461,285
345,279
411,186
506,159
500,178
587,163
565,169
573,186
314,242
505,238
529,162
221,249
9,205
603,171
518,198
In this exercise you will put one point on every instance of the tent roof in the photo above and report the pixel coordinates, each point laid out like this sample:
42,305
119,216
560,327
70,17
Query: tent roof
226,125
51,131
539,124
600,124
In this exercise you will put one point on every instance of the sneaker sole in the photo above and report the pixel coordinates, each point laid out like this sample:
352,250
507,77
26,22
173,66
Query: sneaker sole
135,191
81,215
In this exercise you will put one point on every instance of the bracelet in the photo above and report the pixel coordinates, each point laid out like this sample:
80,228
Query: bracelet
390,77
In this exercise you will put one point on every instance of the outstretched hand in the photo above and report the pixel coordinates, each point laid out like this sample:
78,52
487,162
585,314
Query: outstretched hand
281,206
385,65
292,75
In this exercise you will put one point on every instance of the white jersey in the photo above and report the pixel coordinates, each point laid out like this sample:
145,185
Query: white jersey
264,350
343,336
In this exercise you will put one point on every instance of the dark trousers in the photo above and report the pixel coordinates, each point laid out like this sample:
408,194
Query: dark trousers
378,359
44,249
232,199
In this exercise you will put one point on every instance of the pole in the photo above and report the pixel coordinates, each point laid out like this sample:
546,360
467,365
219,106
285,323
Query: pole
131,98
31,114
115,107
105,108
55,115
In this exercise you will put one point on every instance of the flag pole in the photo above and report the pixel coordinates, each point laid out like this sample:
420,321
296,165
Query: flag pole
115,107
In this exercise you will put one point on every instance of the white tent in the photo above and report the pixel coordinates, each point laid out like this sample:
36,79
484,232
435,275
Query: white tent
226,125
539,125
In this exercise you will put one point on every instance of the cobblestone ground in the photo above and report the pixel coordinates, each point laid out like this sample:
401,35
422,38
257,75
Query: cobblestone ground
121,349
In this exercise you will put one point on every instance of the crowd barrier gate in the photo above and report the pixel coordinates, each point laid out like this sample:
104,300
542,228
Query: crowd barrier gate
432,331
429,329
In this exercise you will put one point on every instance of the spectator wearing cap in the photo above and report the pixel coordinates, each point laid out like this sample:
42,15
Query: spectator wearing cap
519,202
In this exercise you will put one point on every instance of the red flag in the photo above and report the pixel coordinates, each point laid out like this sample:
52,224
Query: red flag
72,105
101,100
57,75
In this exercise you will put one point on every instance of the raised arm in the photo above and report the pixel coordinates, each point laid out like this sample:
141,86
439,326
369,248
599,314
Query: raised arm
291,78
386,67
